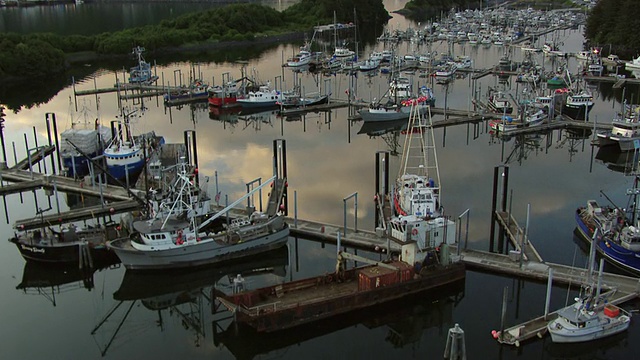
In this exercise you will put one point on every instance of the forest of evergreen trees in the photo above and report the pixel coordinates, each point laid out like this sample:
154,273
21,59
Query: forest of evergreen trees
43,54
615,24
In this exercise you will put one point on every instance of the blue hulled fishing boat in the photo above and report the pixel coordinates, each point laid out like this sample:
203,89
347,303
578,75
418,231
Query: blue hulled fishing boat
618,238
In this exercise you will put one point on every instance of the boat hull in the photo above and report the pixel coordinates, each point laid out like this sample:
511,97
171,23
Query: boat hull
334,301
77,166
615,254
228,101
624,143
603,329
257,104
123,173
576,112
390,114
63,254
204,253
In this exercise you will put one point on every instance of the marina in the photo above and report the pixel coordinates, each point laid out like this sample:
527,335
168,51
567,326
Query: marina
347,229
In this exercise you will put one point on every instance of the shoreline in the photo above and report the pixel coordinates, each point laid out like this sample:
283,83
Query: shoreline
86,56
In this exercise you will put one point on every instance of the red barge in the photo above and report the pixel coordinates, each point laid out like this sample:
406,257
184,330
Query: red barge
295,303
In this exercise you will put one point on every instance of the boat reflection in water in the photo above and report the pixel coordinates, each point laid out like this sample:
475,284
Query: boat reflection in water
388,131
625,162
405,319
50,280
378,128
247,118
182,292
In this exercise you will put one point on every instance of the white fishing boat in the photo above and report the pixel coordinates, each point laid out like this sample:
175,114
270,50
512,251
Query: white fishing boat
418,216
369,64
446,71
264,97
173,239
141,73
625,131
583,55
532,117
499,103
398,104
578,106
304,57
343,52
633,64
590,318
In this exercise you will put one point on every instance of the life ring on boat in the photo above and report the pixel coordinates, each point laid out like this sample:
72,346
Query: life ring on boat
414,231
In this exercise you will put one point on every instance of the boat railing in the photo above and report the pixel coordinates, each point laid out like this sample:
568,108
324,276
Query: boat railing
236,223
260,309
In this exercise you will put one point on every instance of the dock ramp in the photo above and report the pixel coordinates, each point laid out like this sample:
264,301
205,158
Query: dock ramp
275,197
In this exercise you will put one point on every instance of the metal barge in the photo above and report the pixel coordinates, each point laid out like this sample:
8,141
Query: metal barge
304,301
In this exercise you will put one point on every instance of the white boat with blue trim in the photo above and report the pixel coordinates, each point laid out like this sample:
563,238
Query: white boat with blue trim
124,155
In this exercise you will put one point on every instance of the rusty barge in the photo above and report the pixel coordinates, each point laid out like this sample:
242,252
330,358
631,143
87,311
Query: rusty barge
300,302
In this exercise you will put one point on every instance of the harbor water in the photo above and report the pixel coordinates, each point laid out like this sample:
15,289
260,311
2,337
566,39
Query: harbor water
62,314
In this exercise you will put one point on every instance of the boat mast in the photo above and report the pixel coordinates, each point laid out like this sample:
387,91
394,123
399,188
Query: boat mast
419,152
223,211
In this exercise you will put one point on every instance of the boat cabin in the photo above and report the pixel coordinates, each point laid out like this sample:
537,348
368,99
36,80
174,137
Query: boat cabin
419,196
580,99
630,238
626,128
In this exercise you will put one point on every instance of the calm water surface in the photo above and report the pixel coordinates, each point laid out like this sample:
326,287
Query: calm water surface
169,315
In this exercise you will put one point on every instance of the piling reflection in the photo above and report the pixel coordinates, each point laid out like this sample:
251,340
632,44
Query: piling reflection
49,281
182,294
389,131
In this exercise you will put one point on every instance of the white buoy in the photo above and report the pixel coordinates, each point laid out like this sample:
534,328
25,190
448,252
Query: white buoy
455,349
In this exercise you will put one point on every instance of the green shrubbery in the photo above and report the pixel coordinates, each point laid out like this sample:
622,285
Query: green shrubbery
43,53
615,22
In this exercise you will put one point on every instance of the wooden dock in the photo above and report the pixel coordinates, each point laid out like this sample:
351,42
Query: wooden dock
77,215
363,239
26,180
517,237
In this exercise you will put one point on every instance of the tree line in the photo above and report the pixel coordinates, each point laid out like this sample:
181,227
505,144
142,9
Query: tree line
612,24
43,54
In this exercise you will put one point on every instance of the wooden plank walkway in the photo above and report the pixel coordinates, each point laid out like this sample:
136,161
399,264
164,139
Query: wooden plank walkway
516,236
35,155
619,84
324,232
127,87
77,214
313,230
26,180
